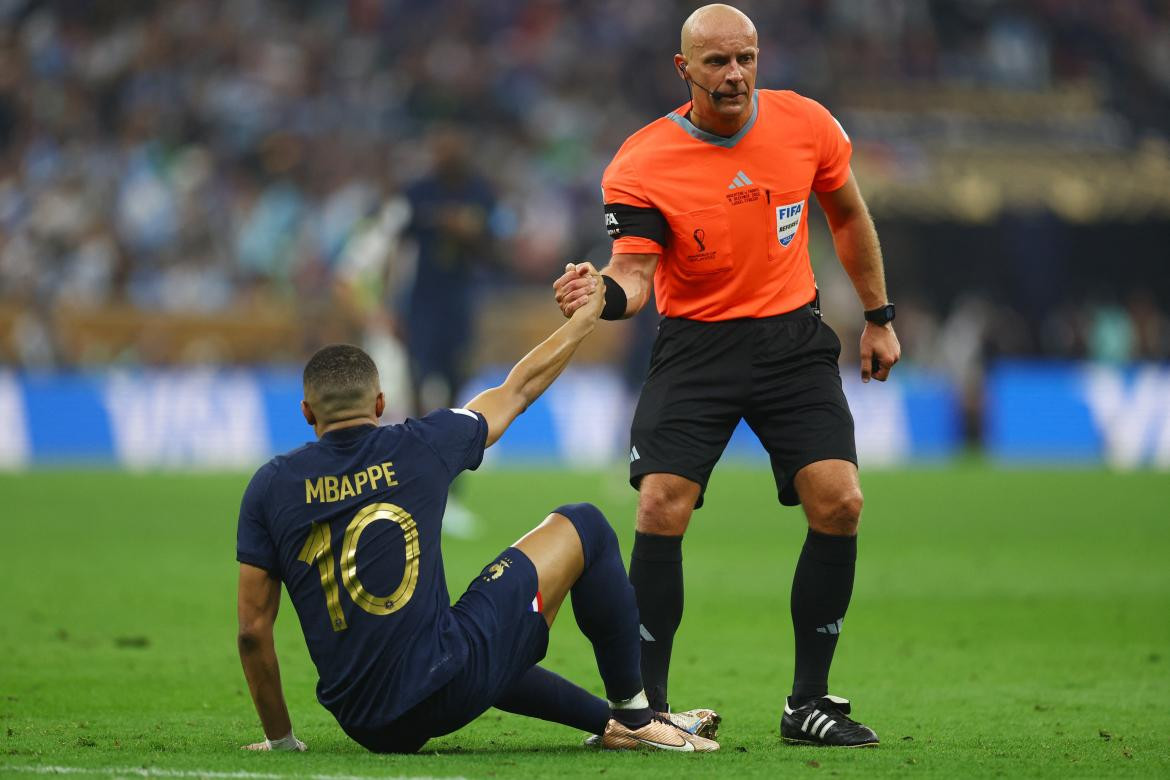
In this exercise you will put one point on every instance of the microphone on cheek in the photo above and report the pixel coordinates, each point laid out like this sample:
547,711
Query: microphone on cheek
714,94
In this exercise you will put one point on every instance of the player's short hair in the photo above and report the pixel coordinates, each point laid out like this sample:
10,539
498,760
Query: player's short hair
340,380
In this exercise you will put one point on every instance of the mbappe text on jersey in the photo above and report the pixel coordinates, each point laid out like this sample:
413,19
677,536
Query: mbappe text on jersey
331,488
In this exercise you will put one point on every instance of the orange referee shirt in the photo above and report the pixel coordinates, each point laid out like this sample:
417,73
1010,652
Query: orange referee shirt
727,215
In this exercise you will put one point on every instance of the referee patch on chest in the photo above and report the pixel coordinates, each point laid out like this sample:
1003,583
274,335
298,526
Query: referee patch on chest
788,221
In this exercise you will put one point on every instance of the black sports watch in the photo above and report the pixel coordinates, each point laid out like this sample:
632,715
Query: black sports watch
881,315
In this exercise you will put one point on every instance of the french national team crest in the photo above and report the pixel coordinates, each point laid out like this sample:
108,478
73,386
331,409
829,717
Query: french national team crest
788,221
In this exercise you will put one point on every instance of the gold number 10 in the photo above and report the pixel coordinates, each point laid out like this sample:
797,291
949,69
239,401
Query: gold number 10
318,550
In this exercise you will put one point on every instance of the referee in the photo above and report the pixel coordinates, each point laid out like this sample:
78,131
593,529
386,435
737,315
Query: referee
709,204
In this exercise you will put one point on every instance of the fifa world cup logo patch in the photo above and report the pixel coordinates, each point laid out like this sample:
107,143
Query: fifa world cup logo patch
699,235
496,570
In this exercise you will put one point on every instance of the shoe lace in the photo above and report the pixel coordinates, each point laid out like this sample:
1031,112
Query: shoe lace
838,714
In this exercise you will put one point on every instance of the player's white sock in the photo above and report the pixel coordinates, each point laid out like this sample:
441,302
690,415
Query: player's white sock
637,702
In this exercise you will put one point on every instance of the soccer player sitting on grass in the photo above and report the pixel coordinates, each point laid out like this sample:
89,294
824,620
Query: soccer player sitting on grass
351,525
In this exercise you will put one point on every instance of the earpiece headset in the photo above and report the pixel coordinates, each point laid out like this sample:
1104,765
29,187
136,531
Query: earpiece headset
716,95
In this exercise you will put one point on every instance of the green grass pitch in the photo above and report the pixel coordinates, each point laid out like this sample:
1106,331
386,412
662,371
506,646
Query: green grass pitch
1004,623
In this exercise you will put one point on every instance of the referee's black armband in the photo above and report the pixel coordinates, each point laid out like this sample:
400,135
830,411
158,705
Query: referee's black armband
615,300
622,220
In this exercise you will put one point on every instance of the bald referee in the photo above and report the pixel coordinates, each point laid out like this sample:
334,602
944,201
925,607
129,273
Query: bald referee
709,204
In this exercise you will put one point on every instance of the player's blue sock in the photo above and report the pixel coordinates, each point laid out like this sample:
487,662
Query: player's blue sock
548,696
607,612
821,589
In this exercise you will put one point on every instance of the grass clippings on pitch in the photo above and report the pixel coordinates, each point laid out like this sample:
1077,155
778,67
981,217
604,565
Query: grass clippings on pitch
1003,623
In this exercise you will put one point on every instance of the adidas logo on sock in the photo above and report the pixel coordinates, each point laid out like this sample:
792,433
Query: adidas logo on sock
831,628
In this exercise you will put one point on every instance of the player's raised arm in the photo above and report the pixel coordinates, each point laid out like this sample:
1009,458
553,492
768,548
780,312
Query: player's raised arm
537,370
258,603
628,278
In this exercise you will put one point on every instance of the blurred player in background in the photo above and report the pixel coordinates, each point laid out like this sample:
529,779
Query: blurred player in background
450,211
708,204
397,663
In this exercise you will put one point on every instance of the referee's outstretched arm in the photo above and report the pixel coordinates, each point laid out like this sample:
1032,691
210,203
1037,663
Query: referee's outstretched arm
856,241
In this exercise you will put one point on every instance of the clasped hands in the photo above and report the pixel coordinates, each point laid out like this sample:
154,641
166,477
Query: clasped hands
580,286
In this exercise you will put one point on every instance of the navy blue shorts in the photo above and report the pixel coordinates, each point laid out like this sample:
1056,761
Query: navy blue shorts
505,638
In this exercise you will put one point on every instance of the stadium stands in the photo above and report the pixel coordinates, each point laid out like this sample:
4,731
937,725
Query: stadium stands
226,177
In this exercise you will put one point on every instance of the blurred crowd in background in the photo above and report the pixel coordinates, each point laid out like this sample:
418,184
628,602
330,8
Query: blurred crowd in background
396,164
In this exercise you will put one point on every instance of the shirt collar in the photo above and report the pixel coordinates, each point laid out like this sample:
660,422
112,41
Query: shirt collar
711,138
351,433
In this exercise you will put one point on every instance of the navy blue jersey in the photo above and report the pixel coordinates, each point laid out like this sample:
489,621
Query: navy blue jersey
351,524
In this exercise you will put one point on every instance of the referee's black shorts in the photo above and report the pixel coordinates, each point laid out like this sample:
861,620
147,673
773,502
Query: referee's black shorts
779,373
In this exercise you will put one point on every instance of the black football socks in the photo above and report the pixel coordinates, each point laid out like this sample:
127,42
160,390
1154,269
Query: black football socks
657,575
821,589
